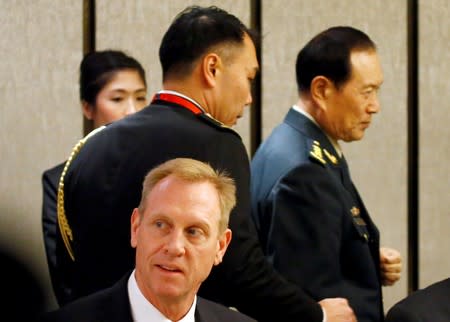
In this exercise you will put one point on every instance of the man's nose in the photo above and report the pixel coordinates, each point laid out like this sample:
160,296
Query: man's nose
375,105
249,99
175,244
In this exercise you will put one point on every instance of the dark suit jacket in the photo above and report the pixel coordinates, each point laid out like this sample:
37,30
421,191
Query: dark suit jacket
431,304
113,304
311,221
104,183
50,182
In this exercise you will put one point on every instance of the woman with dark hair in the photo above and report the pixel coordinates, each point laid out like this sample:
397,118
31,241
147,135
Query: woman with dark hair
112,86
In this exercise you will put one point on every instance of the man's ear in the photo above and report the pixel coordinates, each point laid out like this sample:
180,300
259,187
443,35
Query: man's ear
135,221
223,243
88,110
211,65
321,89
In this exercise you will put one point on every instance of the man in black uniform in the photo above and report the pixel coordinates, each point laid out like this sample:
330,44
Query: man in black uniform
208,59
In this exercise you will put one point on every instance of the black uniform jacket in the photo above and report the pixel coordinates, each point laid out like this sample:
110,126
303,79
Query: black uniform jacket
311,221
103,185
429,304
50,181
113,305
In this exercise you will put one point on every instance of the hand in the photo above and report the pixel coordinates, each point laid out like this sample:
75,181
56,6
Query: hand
338,310
390,266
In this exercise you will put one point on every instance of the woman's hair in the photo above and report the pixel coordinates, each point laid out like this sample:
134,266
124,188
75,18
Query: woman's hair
99,67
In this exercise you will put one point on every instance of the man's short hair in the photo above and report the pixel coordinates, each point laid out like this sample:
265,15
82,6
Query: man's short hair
195,31
194,171
328,54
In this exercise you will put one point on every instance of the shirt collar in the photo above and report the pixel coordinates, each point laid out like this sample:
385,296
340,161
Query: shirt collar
144,311
183,96
333,142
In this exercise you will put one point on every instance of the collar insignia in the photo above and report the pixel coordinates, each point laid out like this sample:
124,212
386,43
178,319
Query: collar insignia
331,157
316,152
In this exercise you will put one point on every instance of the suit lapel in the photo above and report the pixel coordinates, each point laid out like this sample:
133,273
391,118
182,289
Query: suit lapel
203,314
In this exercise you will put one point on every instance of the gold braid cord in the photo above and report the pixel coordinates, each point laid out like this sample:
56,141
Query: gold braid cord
63,223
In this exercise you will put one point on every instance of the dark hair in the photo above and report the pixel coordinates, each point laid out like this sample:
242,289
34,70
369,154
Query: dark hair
194,31
328,54
98,67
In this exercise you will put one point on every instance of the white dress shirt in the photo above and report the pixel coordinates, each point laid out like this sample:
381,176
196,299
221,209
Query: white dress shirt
144,311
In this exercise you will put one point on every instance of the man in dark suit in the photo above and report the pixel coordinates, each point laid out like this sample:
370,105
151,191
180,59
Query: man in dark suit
180,231
208,59
429,304
311,221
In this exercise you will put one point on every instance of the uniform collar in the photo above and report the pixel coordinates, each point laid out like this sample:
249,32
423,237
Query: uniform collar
179,99
187,103
333,142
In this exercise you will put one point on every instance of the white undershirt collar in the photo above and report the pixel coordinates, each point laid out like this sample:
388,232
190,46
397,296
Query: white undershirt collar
144,311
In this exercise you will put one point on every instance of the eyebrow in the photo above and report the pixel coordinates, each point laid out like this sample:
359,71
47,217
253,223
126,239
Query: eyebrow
121,90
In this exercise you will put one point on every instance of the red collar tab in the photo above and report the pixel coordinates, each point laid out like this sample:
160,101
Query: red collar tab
172,98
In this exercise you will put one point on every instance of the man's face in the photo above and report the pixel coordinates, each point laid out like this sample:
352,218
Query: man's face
350,107
177,239
234,83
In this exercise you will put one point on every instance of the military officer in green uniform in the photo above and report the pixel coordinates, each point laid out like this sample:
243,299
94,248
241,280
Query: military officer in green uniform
310,218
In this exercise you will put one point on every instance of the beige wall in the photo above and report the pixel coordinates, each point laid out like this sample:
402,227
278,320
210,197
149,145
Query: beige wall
378,162
40,48
434,141
40,119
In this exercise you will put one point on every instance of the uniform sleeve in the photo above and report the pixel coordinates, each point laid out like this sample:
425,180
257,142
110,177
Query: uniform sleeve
49,187
245,279
49,224
305,234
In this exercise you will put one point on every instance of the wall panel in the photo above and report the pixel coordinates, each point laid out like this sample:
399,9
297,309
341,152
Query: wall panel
378,163
40,49
434,143
138,27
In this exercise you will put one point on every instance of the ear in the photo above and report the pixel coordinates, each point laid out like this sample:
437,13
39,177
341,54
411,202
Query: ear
88,110
321,89
223,243
211,65
135,221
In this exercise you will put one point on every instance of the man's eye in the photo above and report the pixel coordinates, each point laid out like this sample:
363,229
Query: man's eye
195,231
367,93
160,224
117,99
